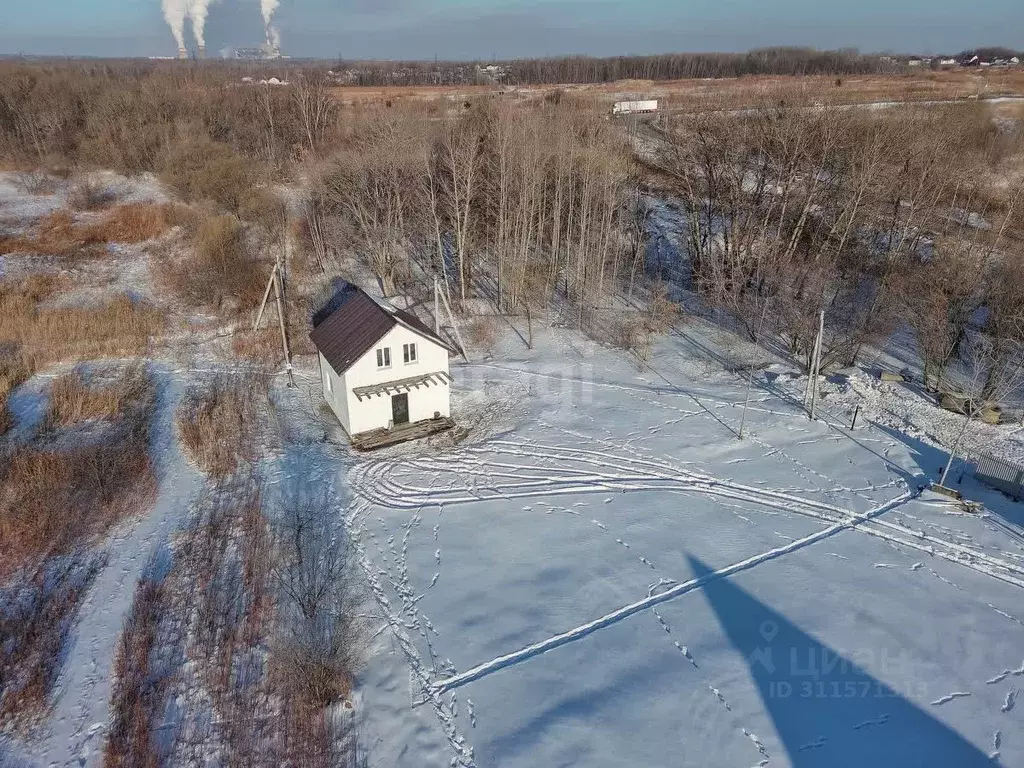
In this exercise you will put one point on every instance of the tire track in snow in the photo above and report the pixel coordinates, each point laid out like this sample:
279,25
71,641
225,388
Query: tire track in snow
589,471
577,633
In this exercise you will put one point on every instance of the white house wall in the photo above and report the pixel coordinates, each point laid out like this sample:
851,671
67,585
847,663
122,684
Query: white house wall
374,411
334,392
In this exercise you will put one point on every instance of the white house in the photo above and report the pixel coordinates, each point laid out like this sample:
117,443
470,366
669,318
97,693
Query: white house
380,366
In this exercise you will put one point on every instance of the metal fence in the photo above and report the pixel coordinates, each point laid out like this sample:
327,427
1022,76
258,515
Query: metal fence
1002,475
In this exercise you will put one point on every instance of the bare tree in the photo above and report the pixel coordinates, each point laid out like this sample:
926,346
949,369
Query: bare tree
988,376
373,186
320,643
316,108
458,156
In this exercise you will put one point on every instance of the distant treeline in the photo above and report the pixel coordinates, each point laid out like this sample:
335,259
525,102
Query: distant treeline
586,69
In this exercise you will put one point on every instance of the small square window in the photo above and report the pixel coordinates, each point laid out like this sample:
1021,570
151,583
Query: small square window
384,357
409,353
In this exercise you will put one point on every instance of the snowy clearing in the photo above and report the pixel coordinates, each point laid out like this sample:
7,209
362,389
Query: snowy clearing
613,578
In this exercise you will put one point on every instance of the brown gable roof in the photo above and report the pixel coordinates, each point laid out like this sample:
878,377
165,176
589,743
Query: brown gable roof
352,329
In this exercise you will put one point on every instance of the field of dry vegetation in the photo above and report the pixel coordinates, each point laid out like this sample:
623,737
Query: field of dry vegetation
86,469
159,196
249,627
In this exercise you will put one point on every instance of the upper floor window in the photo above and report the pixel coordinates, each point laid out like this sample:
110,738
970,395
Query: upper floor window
384,357
409,353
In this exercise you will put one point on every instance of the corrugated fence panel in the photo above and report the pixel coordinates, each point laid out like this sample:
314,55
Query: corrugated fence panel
1002,475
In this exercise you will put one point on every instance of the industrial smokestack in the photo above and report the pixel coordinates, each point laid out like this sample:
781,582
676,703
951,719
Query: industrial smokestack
174,13
198,11
183,52
268,8
201,53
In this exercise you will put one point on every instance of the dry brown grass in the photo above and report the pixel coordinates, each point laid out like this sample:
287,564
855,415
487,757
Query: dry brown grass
483,332
31,336
56,234
57,496
34,628
40,335
221,272
216,424
12,374
74,399
133,223
714,93
138,696
262,346
53,498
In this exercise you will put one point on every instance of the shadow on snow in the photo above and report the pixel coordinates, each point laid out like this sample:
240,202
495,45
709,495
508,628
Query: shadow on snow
827,710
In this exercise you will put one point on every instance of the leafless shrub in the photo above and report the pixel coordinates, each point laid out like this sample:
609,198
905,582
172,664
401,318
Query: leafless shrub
483,332
201,169
224,599
89,193
635,332
216,422
629,332
222,270
139,690
319,644
37,182
990,371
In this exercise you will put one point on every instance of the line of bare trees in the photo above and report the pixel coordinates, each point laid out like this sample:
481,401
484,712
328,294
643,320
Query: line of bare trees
516,206
590,69
131,118
790,209
874,218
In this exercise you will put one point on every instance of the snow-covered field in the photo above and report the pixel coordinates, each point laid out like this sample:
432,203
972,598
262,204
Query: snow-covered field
604,574
611,577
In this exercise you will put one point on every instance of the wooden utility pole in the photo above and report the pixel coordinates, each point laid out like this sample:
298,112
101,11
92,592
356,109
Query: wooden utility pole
275,283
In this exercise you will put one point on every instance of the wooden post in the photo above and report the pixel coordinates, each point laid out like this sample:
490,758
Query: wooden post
266,295
956,447
276,276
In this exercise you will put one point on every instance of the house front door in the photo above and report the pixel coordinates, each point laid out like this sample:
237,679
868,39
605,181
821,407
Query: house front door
400,409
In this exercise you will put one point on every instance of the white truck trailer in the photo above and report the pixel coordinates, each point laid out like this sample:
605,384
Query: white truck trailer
635,107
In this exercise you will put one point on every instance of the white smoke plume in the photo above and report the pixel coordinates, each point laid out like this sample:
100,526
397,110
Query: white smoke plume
174,13
269,7
198,11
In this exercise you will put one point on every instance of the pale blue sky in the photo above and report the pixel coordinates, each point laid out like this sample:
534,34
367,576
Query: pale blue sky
485,28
